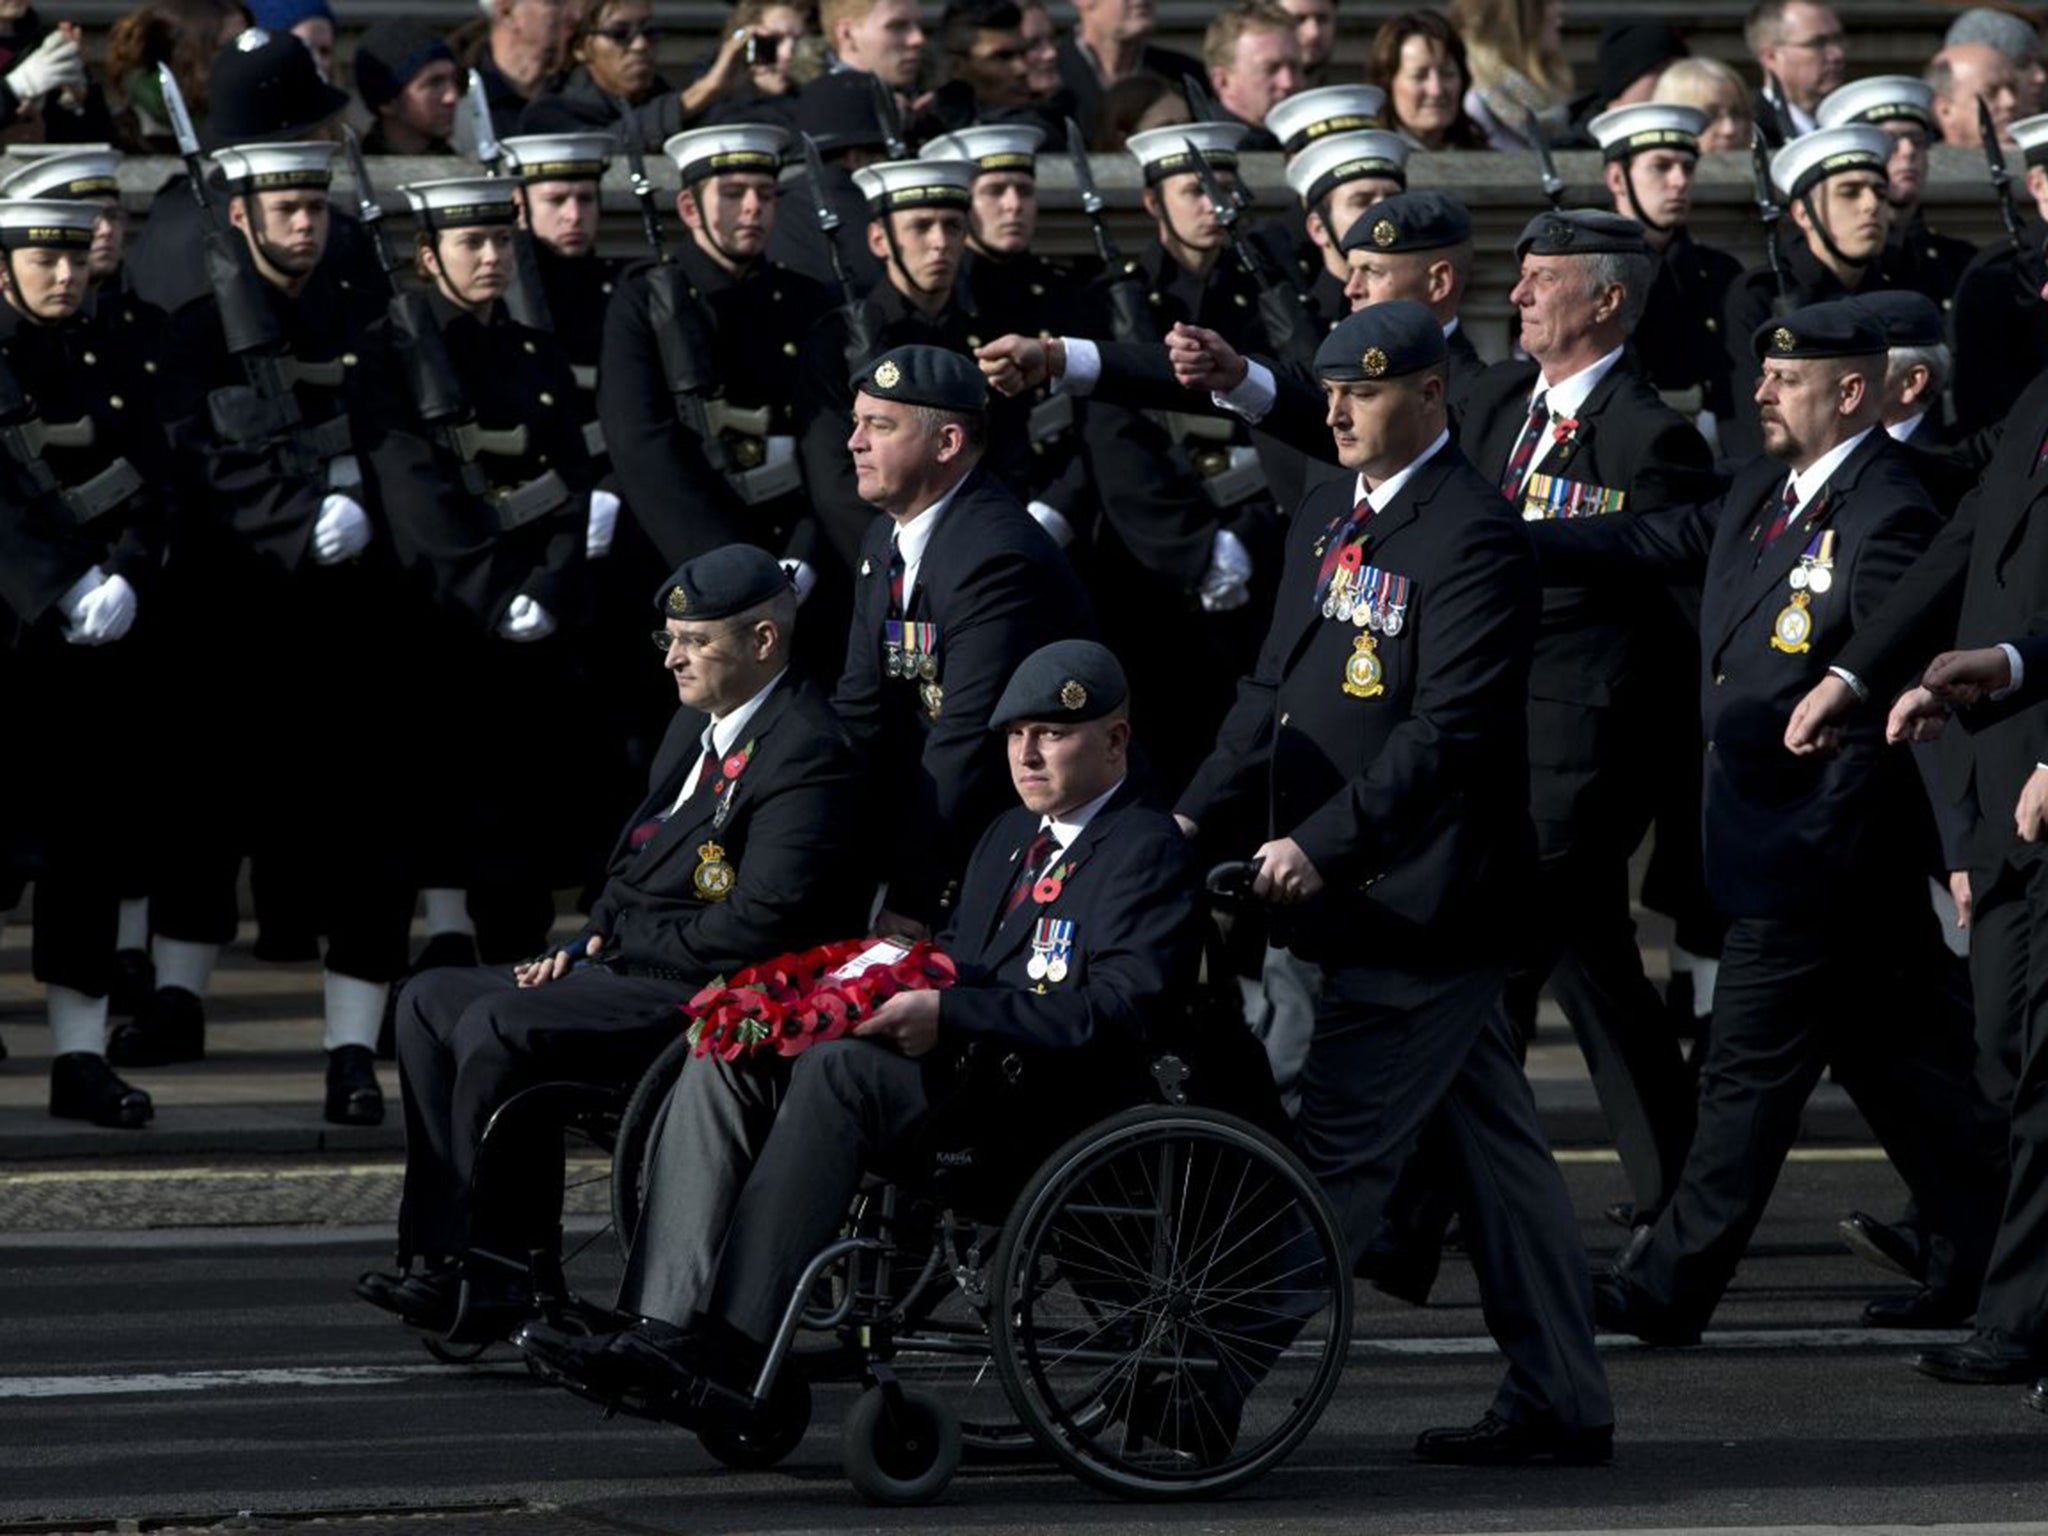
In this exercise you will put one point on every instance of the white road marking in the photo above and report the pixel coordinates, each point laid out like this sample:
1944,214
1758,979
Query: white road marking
150,1382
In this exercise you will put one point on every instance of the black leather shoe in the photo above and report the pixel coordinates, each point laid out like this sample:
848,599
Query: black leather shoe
1981,1361
1898,1249
1619,1307
424,1298
490,1308
582,1362
1922,1309
84,1087
1494,1442
353,1097
2037,1396
170,1027
134,980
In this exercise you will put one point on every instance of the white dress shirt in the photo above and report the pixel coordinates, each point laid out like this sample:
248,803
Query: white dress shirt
722,735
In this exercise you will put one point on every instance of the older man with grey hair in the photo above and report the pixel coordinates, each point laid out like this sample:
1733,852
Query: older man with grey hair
2013,36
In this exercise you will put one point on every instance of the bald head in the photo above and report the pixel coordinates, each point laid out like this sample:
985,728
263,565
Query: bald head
1961,74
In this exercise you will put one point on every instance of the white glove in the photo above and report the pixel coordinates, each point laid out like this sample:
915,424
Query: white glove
526,620
604,522
342,531
1226,584
56,63
99,608
801,576
1050,520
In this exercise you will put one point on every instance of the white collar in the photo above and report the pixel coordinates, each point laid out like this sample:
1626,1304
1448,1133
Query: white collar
1902,431
1815,475
1450,327
1070,826
913,536
1564,398
1393,485
724,732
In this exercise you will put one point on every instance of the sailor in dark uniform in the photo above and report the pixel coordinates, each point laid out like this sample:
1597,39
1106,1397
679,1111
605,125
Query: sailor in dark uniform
745,847
837,113
85,488
1916,256
1304,239
1835,184
2000,323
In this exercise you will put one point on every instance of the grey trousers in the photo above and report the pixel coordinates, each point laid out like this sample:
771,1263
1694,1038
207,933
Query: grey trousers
751,1173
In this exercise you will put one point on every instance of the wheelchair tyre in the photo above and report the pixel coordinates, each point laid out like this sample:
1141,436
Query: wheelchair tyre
452,1354
905,1457
1175,1304
775,1432
636,1132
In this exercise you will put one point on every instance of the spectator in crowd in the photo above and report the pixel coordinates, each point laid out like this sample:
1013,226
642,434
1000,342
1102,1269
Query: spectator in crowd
184,34
1315,28
1254,61
1633,55
611,59
1516,50
1041,51
1804,54
735,85
2012,36
988,72
310,21
1960,75
882,37
1717,91
1138,105
1418,59
44,93
521,55
405,73
1110,43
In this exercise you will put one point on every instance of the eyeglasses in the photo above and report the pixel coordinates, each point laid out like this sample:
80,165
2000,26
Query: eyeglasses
693,643
623,36
1832,42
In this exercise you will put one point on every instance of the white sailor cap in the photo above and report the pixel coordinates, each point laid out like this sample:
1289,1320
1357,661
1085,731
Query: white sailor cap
1310,115
1329,163
1628,131
62,224
277,167
559,156
991,146
1880,99
62,171
895,185
462,202
1163,152
1812,158
2031,134
729,149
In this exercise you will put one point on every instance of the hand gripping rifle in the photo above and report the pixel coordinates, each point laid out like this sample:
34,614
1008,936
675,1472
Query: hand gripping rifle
861,329
1281,307
431,381
680,332
1129,317
527,301
2027,265
1770,214
1547,177
265,409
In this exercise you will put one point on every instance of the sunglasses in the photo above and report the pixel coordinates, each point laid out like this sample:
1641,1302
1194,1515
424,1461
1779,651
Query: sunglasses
624,36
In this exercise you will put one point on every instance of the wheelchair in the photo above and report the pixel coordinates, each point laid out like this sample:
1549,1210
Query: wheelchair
1162,1305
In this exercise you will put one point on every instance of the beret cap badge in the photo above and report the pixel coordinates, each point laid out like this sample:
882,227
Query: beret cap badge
1374,363
1385,232
678,600
888,375
1073,695
1783,339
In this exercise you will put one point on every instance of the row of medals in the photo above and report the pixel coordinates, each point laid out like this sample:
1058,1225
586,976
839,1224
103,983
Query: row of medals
1340,605
1041,967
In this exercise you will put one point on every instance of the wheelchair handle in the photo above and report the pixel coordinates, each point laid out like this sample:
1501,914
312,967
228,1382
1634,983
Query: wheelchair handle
1231,881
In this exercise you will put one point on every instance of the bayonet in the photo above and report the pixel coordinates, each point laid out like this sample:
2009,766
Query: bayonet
1547,177
2001,178
891,119
643,187
369,212
489,152
1282,305
1768,209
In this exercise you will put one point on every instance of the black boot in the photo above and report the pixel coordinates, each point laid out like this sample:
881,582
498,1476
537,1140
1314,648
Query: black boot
353,1095
170,1027
84,1087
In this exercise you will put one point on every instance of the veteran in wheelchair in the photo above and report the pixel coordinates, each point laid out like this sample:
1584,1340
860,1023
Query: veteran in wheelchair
744,846
1160,1264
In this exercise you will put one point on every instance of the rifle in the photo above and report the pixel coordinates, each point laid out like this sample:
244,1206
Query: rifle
1547,178
1281,304
891,119
860,320
266,408
424,360
2027,265
1129,317
1768,211
527,301
1781,109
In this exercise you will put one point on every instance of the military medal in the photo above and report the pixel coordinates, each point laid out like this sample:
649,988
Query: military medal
727,787
1362,675
714,876
1792,632
934,698
1052,948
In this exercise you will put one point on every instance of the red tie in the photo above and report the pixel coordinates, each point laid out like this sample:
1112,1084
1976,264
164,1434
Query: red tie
1525,448
1334,540
896,573
708,773
1788,504
1027,875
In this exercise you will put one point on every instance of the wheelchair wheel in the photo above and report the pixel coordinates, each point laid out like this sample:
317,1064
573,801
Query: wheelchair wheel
1175,1306
771,1436
905,1454
452,1354
636,1130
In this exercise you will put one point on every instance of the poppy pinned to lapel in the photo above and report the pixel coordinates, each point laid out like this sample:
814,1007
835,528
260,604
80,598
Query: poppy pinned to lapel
1564,432
728,783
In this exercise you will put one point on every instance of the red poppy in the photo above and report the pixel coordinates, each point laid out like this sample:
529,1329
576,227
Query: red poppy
1351,556
1047,890
1565,428
735,764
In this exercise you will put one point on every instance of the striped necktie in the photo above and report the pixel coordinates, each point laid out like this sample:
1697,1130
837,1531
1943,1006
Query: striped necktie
1525,448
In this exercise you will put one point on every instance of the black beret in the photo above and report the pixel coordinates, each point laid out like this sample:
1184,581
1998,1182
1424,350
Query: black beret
389,54
1067,680
1381,341
1581,232
1839,328
1907,318
838,112
1410,221
720,583
931,376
